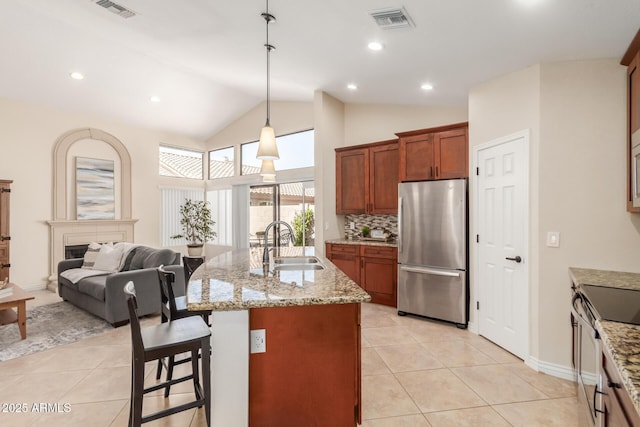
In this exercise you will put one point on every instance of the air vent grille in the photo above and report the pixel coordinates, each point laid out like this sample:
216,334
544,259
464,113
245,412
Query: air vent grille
116,8
388,19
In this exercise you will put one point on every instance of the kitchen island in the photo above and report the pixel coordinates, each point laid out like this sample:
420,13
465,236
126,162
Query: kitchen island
310,371
621,344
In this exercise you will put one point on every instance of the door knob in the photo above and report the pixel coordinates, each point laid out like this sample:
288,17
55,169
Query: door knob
516,259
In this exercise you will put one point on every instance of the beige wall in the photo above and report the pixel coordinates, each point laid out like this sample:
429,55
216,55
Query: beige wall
498,108
27,137
576,114
366,123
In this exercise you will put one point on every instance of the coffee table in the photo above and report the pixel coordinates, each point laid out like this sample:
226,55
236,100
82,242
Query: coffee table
17,300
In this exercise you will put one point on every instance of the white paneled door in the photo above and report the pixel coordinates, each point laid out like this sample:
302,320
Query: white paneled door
502,183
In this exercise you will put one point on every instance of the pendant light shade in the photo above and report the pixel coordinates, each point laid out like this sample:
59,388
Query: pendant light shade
268,171
267,148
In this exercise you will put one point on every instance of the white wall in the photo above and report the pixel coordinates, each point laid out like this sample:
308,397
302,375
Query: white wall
576,112
27,137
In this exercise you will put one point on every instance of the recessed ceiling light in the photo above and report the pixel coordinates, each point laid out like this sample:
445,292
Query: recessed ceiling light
154,99
426,86
76,75
352,86
375,46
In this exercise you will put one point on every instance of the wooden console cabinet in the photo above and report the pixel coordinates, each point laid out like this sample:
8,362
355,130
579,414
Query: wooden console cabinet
367,178
5,233
373,268
435,153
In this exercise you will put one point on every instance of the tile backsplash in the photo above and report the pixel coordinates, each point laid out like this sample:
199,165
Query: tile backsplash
387,222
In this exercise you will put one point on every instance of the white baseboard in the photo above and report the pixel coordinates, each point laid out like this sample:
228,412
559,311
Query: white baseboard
560,371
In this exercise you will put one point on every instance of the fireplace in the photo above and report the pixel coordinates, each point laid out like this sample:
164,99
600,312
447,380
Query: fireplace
76,235
75,251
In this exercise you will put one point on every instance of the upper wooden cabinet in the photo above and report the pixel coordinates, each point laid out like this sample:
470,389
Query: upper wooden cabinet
631,59
435,153
367,178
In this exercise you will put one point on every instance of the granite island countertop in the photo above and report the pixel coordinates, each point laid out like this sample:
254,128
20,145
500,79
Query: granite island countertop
621,340
236,280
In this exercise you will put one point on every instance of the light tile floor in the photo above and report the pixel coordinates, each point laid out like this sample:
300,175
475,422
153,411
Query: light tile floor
416,373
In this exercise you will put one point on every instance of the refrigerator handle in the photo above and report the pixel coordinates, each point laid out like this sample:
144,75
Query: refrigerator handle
399,225
423,270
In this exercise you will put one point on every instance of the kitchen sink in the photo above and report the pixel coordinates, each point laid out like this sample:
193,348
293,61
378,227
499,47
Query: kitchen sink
308,266
297,260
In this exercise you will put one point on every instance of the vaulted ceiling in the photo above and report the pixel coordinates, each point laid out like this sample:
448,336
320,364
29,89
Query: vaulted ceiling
206,62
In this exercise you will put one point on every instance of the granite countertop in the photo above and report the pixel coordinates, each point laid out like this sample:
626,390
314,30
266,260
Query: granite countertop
621,340
391,243
236,280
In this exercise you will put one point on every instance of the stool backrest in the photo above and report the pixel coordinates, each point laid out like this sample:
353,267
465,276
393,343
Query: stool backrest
167,296
132,304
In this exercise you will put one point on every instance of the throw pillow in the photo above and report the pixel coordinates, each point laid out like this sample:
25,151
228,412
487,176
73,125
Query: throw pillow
108,258
91,255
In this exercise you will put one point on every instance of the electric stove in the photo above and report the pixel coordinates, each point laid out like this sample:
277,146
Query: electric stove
615,304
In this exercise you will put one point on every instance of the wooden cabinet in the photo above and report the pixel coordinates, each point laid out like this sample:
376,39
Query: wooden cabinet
435,153
367,178
311,371
5,233
379,273
346,258
374,268
631,60
619,410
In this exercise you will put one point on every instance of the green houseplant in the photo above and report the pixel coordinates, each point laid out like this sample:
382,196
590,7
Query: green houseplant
197,225
303,224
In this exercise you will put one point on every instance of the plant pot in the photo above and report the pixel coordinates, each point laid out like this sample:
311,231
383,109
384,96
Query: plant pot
195,249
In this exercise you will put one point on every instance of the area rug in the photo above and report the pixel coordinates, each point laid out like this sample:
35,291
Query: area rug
49,326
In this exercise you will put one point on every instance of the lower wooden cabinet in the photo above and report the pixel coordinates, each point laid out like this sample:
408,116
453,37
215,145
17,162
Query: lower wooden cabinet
374,268
619,410
310,374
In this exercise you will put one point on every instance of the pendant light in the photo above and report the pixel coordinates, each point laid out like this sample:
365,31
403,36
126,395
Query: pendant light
267,148
268,171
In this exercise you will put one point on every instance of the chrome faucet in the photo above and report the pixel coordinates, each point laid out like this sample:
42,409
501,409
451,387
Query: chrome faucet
265,254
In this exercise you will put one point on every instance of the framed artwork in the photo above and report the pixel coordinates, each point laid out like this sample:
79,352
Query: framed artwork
95,189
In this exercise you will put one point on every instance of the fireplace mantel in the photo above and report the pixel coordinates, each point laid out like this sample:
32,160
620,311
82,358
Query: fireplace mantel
74,232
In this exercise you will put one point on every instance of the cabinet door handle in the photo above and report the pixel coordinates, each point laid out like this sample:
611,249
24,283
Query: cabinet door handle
4,238
437,175
430,171
611,384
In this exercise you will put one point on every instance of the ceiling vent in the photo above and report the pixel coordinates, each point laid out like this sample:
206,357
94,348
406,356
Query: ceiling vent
116,8
389,19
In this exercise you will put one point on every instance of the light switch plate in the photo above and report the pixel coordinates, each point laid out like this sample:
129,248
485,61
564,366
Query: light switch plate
553,239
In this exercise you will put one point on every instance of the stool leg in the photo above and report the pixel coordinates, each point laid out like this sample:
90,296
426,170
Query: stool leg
167,389
137,388
159,369
206,377
196,374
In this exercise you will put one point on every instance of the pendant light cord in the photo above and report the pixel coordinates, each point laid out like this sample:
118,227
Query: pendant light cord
268,18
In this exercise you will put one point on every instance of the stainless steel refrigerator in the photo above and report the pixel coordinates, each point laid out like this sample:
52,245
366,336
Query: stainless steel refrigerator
433,250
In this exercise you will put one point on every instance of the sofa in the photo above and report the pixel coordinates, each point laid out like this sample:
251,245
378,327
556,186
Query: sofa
96,282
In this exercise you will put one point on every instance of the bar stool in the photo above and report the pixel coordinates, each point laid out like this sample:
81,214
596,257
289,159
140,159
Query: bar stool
190,264
173,308
190,334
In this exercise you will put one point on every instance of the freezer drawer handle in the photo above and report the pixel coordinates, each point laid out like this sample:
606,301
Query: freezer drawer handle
430,271
516,259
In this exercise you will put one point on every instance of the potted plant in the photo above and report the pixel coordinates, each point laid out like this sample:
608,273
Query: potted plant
365,231
197,225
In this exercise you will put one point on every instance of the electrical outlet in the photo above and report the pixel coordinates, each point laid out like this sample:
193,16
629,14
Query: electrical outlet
553,239
258,339
352,225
